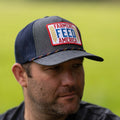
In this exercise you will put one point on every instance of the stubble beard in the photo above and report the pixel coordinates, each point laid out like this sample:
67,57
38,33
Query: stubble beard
53,108
57,110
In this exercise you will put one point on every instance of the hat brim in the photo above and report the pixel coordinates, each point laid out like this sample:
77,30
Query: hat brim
64,56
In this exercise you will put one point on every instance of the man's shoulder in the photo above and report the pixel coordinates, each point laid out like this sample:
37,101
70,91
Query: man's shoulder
95,112
88,111
8,114
13,113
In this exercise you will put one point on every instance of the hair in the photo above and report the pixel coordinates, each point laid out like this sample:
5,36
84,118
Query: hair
27,68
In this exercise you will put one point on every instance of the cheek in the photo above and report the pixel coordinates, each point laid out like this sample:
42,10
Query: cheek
42,90
80,80
46,90
81,83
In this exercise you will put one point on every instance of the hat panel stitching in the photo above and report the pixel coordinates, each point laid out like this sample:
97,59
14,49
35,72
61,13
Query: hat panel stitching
58,50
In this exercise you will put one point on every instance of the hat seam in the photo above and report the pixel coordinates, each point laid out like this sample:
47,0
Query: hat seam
56,51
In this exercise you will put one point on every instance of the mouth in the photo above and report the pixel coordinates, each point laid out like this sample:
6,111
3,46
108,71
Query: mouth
69,95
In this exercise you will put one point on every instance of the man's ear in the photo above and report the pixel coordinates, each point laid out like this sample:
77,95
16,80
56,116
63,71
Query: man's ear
20,74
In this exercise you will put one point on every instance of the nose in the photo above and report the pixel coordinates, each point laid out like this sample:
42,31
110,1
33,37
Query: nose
67,78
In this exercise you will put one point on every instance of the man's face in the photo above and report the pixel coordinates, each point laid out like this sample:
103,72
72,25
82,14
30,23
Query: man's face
56,89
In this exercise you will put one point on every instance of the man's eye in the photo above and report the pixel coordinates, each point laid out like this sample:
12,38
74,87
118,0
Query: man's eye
55,68
77,65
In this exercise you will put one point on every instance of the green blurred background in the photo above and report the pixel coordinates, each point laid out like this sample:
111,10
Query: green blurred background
99,23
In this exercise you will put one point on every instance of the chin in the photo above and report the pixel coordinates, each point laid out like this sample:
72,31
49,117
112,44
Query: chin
72,105
72,109
67,108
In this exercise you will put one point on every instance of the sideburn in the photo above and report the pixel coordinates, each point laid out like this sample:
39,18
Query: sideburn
27,68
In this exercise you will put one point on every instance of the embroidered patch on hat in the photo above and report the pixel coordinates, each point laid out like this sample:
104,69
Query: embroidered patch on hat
63,33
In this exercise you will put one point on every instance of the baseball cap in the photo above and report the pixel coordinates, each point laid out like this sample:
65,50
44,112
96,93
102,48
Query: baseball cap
50,41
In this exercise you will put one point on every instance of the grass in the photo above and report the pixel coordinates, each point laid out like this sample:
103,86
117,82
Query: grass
100,28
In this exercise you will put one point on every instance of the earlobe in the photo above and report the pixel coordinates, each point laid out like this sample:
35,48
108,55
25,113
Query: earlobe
20,74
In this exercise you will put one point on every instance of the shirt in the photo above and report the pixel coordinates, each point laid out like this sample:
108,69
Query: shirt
87,111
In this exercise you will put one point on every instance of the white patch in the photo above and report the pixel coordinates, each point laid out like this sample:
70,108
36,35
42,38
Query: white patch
63,33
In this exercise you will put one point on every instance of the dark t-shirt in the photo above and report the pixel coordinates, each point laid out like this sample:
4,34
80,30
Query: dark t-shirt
87,111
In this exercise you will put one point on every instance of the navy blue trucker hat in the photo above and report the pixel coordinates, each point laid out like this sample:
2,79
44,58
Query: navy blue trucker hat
50,41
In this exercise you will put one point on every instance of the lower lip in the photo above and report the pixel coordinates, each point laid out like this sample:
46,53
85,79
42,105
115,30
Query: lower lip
69,96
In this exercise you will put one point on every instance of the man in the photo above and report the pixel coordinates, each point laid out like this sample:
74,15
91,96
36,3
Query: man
49,67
